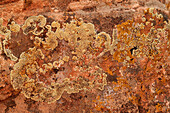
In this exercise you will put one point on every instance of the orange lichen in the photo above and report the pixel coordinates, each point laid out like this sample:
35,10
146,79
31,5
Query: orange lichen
142,45
138,37
72,57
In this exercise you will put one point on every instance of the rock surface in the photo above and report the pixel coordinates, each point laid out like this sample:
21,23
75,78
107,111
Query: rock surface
134,84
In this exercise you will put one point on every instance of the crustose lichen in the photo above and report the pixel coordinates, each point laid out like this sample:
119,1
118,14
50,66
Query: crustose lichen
58,58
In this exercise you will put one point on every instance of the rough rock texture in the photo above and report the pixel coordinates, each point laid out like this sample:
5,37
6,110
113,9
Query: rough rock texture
137,66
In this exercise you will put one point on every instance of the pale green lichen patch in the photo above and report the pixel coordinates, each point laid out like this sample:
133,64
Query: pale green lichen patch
63,57
14,27
3,29
16,42
44,72
28,76
34,24
1,48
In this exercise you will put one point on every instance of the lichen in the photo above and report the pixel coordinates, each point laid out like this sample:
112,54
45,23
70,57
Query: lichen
28,77
1,48
3,29
45,71
140,38
7,34
14,27
34,24
142,46
72,57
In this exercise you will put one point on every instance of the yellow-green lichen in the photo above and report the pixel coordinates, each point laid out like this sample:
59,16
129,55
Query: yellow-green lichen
30,25
64,56
39,91
35,65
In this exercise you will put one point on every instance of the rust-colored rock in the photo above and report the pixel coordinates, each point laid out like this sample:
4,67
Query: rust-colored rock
96,55
2,2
